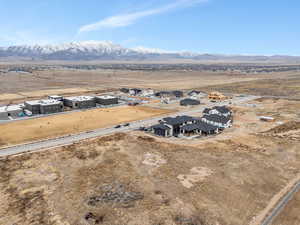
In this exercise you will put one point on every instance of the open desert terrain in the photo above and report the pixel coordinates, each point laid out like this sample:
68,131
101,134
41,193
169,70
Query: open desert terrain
136,178
39,83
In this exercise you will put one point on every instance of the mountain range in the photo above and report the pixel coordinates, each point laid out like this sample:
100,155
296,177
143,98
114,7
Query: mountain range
105,50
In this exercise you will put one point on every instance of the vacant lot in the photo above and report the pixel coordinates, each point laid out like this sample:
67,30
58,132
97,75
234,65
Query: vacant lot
136,179
57,125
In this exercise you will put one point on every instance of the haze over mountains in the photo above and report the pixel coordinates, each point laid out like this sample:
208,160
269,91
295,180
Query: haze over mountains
105,50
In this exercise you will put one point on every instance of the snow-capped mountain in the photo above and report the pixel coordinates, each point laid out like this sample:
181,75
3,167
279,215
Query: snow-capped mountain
73,50
97,50
87,50
144,50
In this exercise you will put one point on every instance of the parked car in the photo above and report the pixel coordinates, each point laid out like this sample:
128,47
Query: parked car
126,125
118,126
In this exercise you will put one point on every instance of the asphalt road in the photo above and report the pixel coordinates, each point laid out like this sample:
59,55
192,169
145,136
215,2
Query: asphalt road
281,204
70,139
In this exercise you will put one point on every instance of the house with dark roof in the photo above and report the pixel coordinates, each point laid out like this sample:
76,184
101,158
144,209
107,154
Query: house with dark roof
200,127
124,90
163,94
176,123
135,91
188,101
218,110
217,120
193,92
196,94
206,111
177,94
161,130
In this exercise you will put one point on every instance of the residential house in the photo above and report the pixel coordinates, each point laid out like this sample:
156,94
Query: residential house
45,106
124,90
218,110
176,123
135,91
56,97
196,94
12,111
147,92
106,100
80,102
188,101
200,128
177,94
217,120
161,130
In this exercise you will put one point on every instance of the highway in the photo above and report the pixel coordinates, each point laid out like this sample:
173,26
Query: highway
281,204
70,139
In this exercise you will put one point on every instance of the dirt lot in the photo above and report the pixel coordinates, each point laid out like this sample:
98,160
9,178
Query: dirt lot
58,125
139,179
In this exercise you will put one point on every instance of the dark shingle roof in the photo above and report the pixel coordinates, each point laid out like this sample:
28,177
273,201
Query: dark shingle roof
177,93
217,118
206,110
179,120
189,101
160,126
199,126
162,93
222,109
192,92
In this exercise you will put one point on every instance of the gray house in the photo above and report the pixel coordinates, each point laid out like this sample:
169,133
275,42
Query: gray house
13,111
200,127
3,113
46,106
51,106
106,100
80,102
217,120
56,97
176,123
218,110
33,106
161,130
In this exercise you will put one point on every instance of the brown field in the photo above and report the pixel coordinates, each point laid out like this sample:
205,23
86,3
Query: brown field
284,87
52,126
15,87
227,179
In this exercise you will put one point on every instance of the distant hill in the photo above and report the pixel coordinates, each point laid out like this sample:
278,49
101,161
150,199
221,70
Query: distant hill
105,50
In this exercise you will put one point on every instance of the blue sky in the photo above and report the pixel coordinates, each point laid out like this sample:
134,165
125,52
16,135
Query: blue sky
205,26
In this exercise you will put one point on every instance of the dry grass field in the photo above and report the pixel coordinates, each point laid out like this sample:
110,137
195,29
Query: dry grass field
287,87
18,86
139,179
136,178
57,125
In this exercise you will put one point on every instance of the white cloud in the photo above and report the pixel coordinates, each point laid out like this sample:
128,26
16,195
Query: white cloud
124,20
